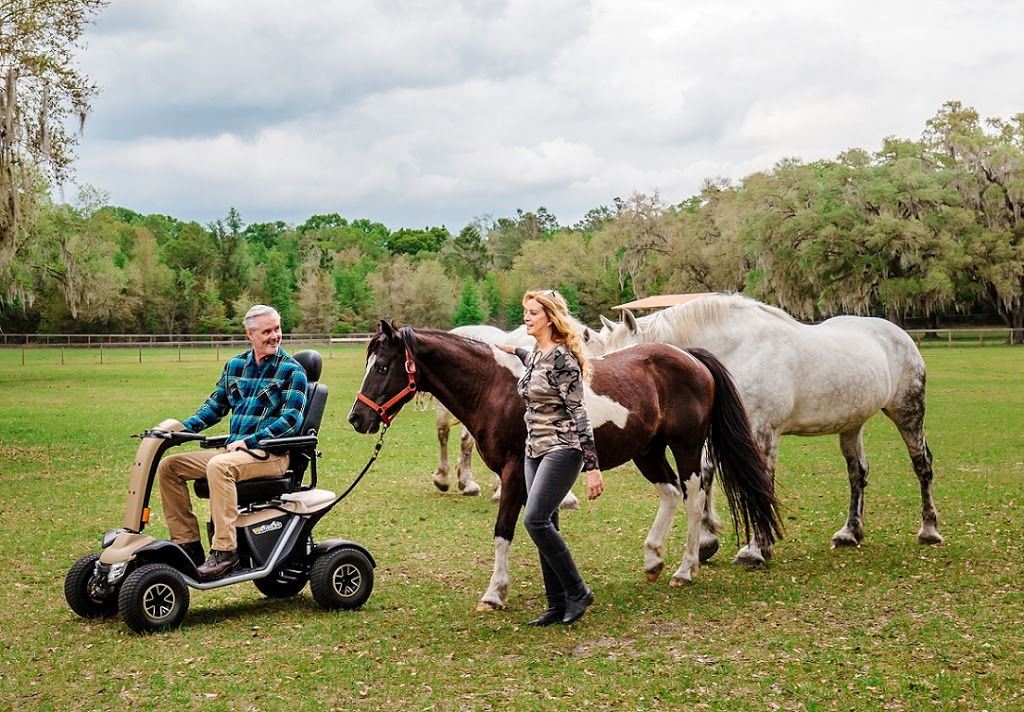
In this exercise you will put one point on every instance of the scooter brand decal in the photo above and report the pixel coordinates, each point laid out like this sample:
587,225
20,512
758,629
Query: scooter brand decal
268,527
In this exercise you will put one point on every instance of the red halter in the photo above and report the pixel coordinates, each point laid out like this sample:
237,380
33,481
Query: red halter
382,410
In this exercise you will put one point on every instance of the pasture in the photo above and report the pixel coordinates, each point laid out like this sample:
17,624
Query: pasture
887,625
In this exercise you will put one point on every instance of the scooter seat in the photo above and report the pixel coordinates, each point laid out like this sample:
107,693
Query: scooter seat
308,501
260,489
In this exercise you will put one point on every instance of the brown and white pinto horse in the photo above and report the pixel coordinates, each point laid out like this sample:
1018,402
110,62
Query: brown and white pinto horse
642,401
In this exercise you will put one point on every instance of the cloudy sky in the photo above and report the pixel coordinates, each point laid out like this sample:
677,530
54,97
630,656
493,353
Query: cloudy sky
416,113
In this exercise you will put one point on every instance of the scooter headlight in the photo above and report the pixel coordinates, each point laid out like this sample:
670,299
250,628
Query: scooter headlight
116,572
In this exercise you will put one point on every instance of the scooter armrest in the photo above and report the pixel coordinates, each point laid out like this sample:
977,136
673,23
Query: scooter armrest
214,441
176,437
287,443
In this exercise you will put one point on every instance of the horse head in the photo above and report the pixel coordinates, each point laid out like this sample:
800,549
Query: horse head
390,379
619,336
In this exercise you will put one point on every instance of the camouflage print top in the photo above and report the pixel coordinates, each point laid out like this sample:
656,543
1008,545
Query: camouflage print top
556,414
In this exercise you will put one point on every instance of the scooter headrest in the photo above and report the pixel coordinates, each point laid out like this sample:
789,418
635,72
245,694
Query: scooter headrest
311,363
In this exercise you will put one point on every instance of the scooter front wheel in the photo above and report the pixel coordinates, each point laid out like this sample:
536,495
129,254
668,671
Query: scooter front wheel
153,597
80,594
342,578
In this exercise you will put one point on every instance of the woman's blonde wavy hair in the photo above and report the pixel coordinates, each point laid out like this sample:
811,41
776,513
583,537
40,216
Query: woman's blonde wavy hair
564,327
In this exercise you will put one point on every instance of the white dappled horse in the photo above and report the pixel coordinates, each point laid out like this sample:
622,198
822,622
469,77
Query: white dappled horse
800,379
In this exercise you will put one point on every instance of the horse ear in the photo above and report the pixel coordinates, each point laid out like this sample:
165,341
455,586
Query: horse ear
630,321
385,328
587,334
608,323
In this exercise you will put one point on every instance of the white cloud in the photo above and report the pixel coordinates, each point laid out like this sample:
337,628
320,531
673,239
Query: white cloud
417,114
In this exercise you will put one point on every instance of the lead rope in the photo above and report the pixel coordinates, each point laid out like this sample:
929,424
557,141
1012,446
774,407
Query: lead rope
376,451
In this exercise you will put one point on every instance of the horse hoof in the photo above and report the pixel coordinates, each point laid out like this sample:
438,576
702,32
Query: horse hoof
929,537
570,502
678,581
843,541
488,607
655,573
443,486
471,490
748,559
708,550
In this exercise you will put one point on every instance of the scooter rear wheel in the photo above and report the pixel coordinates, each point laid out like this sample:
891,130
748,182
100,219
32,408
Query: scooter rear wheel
342,578
76,590
153,597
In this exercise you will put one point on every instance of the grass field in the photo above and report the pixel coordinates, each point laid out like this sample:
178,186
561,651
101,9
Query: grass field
888,625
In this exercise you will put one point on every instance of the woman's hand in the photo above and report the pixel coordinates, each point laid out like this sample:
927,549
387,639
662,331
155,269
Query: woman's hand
595,484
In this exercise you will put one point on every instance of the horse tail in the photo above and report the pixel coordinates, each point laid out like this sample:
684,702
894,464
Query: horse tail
748,484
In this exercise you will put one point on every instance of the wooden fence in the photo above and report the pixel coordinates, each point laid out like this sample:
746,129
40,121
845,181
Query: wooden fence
165,340
975,336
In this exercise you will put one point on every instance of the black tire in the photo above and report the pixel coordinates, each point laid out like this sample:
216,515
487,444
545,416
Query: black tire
153,597
76,590
278,585
342,578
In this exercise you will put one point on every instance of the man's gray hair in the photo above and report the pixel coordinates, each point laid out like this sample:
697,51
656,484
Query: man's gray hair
256,312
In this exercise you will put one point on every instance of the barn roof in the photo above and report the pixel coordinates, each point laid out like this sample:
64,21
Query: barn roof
660,301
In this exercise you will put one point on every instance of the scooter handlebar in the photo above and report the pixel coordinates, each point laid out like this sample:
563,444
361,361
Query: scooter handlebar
175,437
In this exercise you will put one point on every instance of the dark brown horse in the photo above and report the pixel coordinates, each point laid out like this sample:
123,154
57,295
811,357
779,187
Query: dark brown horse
642,401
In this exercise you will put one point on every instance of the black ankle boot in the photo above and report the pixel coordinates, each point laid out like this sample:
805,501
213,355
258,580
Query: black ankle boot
549,617
576,606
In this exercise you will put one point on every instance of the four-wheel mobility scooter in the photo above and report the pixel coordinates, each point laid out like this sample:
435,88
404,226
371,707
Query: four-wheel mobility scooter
147,580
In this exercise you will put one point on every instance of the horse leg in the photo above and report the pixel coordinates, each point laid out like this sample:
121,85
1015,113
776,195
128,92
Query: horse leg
443,428
656,469
654,544
711,526
852,444
512,500
910,423
694,502
464,471
757,551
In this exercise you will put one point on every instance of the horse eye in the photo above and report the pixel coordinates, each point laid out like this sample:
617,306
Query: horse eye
382,369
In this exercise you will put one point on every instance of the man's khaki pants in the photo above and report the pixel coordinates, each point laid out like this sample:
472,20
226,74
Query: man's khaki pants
222,470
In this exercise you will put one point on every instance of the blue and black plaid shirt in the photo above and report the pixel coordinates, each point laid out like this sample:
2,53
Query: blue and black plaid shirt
265,400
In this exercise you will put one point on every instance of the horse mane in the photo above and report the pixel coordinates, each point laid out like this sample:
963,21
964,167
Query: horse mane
681,323
410,336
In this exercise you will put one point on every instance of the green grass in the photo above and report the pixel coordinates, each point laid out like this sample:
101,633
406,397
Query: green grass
888,625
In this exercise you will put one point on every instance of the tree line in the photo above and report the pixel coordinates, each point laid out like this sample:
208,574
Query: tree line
920,229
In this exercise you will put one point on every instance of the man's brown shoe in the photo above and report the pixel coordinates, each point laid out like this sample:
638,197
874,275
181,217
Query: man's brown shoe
219,563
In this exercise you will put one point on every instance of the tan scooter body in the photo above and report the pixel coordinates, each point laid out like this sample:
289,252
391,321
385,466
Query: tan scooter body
151,448
147,580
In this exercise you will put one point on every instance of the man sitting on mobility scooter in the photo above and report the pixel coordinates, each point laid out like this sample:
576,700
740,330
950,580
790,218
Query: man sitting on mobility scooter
264,389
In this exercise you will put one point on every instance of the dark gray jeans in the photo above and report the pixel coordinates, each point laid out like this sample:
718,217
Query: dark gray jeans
548,479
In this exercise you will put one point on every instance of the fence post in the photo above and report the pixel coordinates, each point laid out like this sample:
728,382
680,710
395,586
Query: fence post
61,355
140,354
